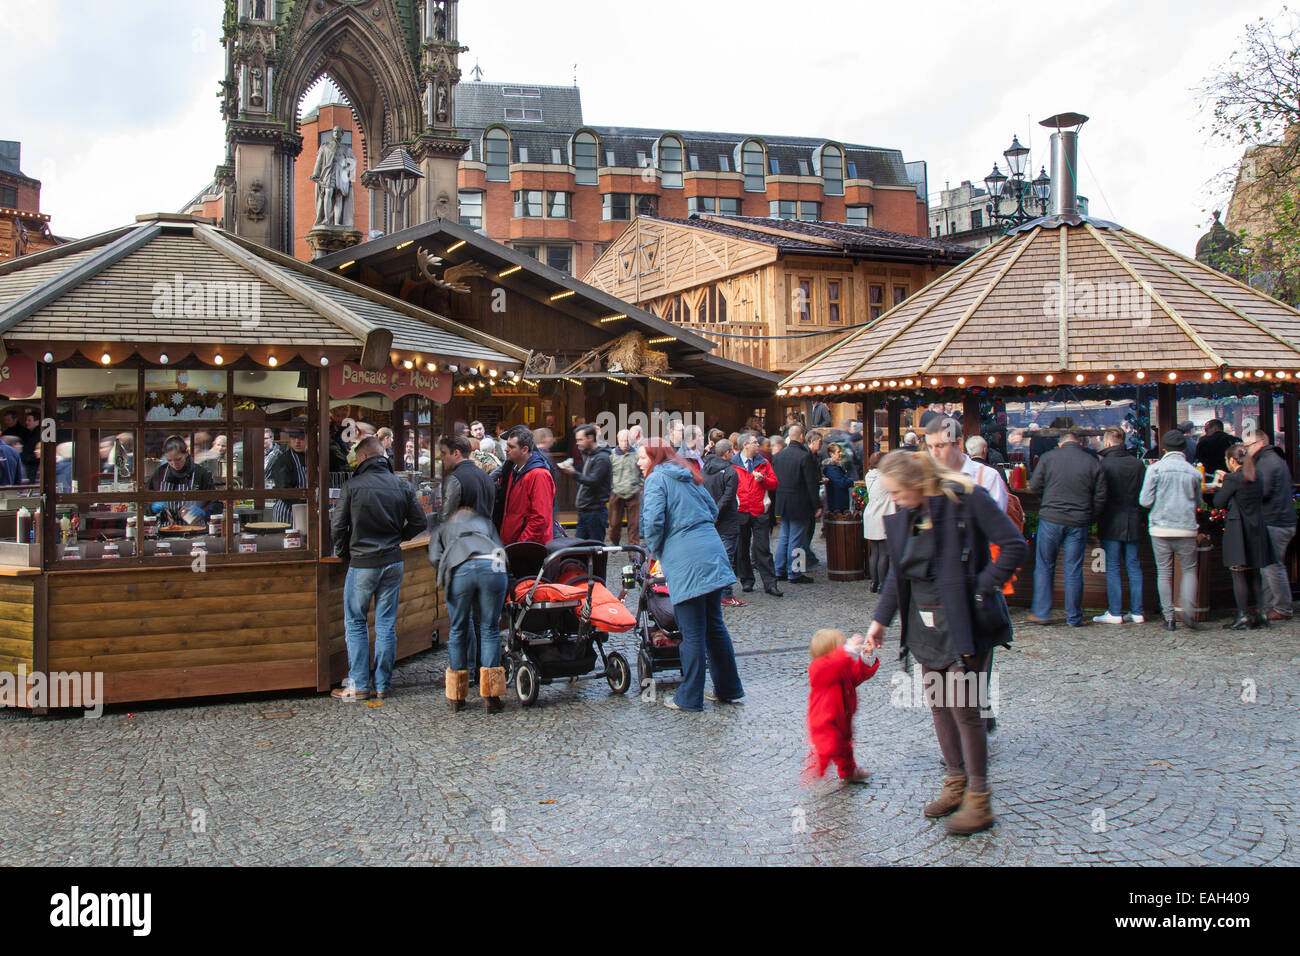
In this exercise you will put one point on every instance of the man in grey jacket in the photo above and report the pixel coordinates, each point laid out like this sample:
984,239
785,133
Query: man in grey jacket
625,490
1279,518
1172,490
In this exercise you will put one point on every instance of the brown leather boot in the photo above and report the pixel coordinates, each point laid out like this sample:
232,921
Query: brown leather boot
972,816
457,688
949,798
491,685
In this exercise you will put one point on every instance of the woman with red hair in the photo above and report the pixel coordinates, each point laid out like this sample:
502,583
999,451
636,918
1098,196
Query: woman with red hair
677,526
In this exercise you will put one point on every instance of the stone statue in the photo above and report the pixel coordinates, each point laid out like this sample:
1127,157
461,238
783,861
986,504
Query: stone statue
439,21
332,174
442,104
255,95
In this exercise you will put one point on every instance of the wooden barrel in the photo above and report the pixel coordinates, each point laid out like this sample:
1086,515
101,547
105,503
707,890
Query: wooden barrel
845,550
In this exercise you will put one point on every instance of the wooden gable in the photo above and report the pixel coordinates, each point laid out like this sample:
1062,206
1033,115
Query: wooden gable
654,258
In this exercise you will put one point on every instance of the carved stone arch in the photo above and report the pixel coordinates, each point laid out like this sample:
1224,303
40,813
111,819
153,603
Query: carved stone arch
370,67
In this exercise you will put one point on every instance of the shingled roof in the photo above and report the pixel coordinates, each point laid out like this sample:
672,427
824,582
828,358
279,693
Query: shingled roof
1065,300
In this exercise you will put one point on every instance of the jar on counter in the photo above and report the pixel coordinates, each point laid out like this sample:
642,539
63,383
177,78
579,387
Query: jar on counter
111,550
292,540
247,544
150,528
163,549
217,525
131,528
235,522
71,552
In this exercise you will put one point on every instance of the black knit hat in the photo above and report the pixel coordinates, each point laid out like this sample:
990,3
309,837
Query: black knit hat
1173,440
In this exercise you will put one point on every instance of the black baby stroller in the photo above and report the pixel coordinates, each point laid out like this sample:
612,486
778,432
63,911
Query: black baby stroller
560,614
659,636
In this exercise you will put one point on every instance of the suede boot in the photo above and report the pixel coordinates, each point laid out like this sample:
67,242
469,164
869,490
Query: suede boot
973,815
949,798
457,688
491,685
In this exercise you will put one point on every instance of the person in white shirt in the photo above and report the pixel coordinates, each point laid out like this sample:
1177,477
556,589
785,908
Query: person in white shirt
943,442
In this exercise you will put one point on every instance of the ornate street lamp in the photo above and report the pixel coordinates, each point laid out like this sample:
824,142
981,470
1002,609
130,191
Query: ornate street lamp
1029,196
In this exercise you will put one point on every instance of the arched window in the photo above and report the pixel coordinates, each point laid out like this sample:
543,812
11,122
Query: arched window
753,166
496,154
833,170
584,150
670,162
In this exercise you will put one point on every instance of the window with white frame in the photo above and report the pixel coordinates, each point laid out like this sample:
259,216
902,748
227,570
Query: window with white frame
670,162
833,170
496,155
585,150
751,157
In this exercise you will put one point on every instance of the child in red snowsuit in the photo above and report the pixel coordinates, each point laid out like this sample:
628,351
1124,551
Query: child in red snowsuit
834,676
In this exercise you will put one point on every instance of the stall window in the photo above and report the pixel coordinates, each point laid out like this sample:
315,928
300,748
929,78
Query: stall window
900,293
833,301
875,300
160,474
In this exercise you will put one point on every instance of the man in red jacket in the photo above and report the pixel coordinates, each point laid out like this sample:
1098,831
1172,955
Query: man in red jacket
528,491
754,547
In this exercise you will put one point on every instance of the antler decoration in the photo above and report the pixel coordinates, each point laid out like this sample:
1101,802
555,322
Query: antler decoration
428,262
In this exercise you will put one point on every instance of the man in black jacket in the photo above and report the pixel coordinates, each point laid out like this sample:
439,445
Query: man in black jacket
376,512
1211,449
1120,528
722,482
464,484
1074,494
798,487
592,500
1279,520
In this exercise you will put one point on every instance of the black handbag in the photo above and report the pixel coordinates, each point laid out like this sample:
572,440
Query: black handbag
990,617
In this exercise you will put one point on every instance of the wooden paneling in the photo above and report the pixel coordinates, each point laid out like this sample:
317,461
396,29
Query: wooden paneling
17,611
171,632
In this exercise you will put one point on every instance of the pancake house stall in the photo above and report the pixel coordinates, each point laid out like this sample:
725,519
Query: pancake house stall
1075,322
180,542
591,352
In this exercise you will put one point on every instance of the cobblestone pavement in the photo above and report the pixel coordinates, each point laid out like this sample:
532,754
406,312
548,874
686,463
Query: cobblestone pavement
1119,745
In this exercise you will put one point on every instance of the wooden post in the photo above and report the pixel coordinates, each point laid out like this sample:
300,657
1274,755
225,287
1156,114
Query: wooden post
970,415
868,427
895,423
1167,413
318,526
1266,421
1290,414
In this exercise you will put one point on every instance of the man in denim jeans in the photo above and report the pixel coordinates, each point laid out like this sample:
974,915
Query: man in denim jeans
1074,494
1120,529
375,513
1172,490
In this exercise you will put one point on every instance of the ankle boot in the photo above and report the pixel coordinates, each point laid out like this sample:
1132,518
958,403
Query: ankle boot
1257,621
457,688
949,798
491,685
973,815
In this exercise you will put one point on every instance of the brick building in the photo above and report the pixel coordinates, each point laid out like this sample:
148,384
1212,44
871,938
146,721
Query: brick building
538,177
24,229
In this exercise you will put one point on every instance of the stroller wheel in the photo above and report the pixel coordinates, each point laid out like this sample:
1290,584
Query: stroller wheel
617,672
645,674
526,683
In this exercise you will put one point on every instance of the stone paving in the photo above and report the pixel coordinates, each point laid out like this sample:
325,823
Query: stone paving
1122,745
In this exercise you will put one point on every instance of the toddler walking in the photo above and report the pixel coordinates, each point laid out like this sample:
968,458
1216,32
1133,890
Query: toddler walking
836,670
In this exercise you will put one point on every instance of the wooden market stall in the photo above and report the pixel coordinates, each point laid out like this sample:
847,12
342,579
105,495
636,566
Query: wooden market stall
1079,319
171,327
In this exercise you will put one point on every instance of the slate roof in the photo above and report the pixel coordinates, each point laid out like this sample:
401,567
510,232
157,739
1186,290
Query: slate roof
853,239
480,105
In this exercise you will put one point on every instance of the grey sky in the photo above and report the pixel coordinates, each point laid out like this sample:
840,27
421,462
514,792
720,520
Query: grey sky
115,103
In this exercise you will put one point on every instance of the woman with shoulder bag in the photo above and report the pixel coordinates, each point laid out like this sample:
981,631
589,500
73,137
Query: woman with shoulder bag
948,593
1246,545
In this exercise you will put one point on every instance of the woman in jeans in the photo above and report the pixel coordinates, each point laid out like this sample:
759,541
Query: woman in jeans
1246,545
470,563
948,594
879,506
677,527
1172,490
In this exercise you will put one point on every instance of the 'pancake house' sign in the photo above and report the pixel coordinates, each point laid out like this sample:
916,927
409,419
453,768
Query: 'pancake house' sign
347,380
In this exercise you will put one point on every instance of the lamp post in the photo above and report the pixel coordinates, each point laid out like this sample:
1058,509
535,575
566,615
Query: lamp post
1030,196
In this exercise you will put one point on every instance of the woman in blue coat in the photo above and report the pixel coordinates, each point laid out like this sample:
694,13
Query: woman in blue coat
677,516
836,478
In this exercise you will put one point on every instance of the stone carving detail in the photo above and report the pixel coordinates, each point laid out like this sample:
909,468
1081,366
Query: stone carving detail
255,203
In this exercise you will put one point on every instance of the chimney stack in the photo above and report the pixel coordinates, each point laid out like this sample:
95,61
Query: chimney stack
1065,163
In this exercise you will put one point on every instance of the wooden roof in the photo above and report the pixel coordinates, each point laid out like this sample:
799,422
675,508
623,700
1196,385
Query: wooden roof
180,282
1065,301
